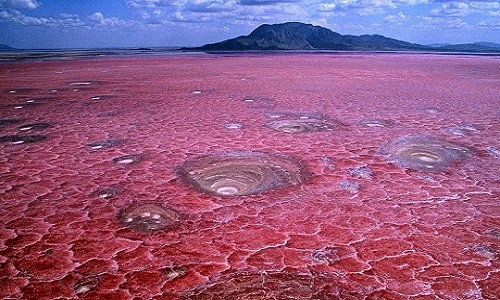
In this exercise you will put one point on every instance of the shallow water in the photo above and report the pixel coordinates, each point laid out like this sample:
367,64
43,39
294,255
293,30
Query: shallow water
96,203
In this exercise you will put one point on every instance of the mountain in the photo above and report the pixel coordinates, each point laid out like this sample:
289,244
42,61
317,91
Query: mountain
488,44
483,47
473,47
465,46
300,36
4,47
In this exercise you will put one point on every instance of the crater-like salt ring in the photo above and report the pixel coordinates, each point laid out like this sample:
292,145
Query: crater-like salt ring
376,123
34,126
302,125
148,217
425,152
242,173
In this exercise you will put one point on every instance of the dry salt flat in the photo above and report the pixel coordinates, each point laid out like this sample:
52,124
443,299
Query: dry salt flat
251,176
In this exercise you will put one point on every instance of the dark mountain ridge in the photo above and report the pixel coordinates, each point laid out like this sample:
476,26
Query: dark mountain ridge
300,36
4,47
472,47
477,45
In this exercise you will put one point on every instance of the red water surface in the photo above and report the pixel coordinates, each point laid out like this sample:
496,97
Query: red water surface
387,233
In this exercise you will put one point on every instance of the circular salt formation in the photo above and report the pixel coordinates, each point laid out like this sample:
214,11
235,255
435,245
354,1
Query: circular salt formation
174,272
103,144
25,105
493,150
302,125
432,110
251,99
82,83
241,173
425,152
462,129
127,159
376,123
34,126
106,192
85,285
148,217
41,99
233,126
19,91
102,97
17,140
270,286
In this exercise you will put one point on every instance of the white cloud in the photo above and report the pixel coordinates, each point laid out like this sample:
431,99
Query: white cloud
412,2
370,10
273,13
101,20
68,16
326,7
211,5
463,8
19,18
490,23
334,7
485,5
29,4
452,9
363,7
222,13
445,22
265,2
396,19
155,3
491,7
64,20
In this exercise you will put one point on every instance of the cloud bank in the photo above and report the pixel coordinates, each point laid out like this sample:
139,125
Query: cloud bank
28,4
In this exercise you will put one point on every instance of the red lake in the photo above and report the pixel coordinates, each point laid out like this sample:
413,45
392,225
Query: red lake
251,176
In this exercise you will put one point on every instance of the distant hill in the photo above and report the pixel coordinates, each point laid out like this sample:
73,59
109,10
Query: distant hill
300,36
4,47
473,47
488,44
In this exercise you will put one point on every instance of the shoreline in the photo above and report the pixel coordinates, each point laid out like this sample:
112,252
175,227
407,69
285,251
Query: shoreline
49,55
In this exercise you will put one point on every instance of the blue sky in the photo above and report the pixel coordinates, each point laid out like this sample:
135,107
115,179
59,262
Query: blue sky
152,23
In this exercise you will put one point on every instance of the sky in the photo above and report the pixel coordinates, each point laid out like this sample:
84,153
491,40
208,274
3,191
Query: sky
48,24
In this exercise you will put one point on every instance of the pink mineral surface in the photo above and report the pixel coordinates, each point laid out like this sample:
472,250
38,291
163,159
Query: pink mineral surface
130,184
